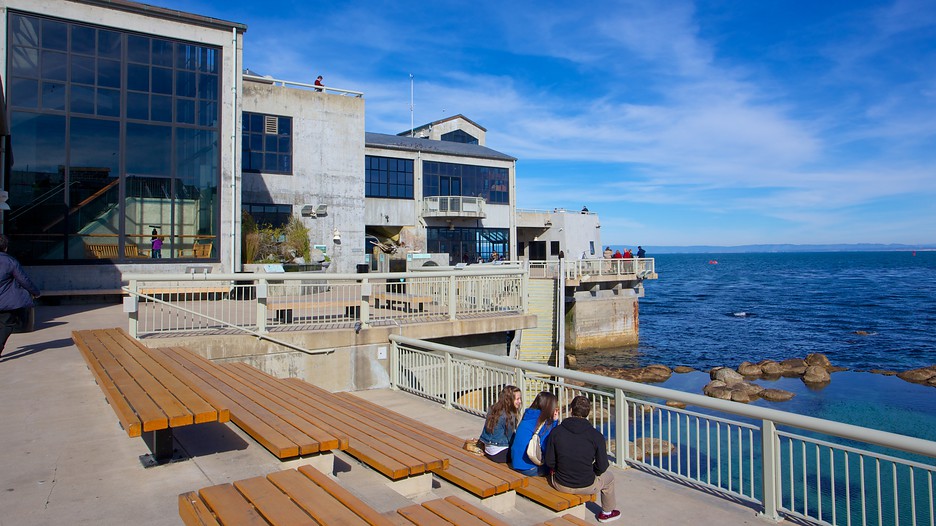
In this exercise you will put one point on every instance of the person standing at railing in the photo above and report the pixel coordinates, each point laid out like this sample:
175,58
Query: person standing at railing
577,458
607,253
617,255
628,254
538,420
157,248
318,82
17,292
500,424
641,253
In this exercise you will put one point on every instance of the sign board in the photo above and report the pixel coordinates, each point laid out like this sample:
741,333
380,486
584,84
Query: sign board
273,268
411,256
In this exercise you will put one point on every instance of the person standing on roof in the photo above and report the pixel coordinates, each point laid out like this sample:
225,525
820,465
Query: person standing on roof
17,292
318,82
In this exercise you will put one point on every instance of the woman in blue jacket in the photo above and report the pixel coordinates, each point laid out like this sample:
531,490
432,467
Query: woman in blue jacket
543,414
500,424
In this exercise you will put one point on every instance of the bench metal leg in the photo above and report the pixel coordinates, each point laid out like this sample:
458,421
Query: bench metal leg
160,445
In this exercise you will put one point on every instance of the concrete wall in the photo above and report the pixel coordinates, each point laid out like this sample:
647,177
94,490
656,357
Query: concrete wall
575,232
328,165
64,277
602,319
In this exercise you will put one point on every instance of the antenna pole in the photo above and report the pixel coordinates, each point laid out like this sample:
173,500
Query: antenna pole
411,124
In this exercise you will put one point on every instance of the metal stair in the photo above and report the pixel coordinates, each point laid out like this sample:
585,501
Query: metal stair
539,345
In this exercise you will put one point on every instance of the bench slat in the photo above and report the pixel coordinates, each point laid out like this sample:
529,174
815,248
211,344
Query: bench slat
422,517
453,513
183,389
271,503
565,520
125,415
194,512
540,491
366,431
344,496
229,506
328,437
263,432
481,513
149,413
314,499
475,474
150,378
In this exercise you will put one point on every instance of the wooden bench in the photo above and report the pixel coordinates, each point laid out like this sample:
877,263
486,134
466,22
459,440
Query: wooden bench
450,510
283,308
179,293
149,398
108,251
303,496
409,302
566,520
273,421
539,490
475,474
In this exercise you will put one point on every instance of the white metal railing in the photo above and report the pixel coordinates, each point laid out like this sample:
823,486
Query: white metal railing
223,303
582,269
818,470
288,83
453,206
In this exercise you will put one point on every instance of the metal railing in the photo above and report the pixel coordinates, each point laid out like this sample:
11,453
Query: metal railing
289,83
453,206
223,303
584,269
818,470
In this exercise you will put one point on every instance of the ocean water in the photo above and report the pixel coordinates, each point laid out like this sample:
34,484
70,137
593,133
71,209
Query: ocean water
864,310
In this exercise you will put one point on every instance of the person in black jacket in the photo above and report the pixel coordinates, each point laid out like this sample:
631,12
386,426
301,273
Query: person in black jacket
16,292
577,457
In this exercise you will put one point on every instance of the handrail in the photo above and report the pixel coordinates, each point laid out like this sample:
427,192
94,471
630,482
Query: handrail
285,83
260,335
510,270
872,436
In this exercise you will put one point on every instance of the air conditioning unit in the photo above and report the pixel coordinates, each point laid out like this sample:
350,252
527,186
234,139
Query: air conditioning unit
314,210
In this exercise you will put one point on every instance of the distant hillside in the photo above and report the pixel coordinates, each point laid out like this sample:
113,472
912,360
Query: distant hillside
715,249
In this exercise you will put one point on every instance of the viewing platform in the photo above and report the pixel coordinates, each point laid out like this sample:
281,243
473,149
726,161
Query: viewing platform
66,461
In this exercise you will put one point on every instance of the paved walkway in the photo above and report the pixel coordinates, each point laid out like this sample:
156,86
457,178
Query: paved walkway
65,460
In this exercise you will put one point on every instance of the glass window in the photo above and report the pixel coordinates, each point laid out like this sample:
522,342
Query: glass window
54,35
269,214
73,80
388,177
24,30
464,245
266,149
466,180
83,39
459,136
25,61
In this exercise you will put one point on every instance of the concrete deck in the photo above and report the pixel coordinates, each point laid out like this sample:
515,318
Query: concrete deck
65,459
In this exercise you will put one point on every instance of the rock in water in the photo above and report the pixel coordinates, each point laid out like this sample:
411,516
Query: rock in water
749,369
776,395
816,374
729,376
918,376
676,404
771,368
793,367
818,359
682,369
646,447
885,372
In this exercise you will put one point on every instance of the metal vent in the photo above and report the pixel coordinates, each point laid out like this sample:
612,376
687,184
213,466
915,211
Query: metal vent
270,124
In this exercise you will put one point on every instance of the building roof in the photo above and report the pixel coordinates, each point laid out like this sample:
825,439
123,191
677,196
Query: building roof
168,14
434,123
416,144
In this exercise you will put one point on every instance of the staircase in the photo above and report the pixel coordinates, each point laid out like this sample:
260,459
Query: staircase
539,345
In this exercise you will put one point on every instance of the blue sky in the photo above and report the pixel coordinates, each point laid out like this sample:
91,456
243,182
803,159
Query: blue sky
680,123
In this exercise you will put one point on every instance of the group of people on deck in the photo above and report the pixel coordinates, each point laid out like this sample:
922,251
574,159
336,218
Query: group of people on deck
627,254
574,454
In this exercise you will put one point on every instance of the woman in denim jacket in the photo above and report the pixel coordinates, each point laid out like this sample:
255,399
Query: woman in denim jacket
544,411
500,424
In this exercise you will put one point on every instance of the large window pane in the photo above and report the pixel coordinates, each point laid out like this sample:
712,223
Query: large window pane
82,99
82,70
54,65
36,186
83,40
93,213
25,61
148,149
24,30
24,93
54,35
138,77
138,49
108,44
108,73
53,96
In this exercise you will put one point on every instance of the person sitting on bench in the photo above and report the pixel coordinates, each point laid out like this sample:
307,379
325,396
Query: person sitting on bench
500,424
577,457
